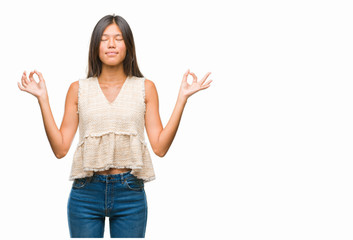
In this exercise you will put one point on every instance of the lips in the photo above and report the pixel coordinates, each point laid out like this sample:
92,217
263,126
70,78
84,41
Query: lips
111,53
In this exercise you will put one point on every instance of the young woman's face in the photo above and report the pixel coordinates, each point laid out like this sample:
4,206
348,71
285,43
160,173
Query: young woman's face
112,49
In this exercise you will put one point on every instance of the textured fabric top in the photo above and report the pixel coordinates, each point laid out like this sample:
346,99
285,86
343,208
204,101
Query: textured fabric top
112,133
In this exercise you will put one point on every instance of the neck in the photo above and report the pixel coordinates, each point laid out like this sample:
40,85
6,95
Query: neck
112,74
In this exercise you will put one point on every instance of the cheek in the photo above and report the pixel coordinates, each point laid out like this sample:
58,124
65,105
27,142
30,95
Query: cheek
121,47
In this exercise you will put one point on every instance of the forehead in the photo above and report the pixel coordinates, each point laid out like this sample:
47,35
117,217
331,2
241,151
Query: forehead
112,29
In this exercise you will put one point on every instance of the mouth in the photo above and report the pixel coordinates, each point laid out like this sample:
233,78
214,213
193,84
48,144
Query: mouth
111,53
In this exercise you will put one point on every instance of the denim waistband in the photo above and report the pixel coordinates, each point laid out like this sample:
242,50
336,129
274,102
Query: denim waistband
120,177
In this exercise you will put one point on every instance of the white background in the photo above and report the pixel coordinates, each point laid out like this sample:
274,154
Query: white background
264,153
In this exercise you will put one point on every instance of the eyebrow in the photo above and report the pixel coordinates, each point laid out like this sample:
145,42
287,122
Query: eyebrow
116,35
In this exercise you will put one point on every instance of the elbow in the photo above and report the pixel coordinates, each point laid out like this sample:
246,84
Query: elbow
159,152
60,155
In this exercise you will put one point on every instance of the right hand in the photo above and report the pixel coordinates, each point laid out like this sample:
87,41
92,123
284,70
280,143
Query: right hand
38,90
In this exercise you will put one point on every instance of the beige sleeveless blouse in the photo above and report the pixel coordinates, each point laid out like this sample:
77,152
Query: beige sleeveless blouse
112,133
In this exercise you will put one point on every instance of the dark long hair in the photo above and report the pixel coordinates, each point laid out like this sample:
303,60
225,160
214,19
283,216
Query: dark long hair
130,62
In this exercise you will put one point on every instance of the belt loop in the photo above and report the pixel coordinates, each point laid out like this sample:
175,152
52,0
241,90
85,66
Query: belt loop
122,178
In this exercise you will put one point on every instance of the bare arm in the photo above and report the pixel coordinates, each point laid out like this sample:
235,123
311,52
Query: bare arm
60,139
162,138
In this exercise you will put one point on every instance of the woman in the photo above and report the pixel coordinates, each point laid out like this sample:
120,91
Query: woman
112,106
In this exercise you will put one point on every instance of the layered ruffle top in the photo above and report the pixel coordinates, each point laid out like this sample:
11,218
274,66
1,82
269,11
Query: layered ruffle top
112,133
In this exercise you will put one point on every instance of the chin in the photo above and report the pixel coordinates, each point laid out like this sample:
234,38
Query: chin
112,63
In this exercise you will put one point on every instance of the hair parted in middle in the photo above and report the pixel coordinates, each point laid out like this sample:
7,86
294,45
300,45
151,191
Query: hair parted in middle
130,62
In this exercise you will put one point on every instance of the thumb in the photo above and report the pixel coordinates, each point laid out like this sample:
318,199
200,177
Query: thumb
40,76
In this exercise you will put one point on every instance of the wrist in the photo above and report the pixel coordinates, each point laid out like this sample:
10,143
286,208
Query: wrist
182,99
43,98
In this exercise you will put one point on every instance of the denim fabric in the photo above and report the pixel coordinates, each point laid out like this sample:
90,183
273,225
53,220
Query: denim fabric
121,197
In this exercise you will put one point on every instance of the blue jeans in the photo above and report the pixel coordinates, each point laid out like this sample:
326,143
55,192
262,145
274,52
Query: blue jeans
121,197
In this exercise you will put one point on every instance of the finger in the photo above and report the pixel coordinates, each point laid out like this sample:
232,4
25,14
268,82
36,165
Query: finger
31,76
205,77
208,82
185,77
20,87
194,76
39,74
206,85
24,80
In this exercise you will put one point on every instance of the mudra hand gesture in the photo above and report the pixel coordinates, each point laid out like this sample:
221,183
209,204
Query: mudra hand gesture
31,86
186,89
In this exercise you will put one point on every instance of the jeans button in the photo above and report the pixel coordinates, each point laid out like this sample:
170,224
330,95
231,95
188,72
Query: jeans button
109,178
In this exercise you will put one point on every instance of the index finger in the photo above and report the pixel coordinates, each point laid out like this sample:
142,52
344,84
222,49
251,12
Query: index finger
186,75
39,74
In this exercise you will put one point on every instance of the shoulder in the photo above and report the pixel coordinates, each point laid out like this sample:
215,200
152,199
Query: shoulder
72,93
73,89
150,89
149,84
74,85
81,83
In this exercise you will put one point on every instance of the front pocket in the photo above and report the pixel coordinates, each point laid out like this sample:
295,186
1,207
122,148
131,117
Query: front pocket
134,183
79,183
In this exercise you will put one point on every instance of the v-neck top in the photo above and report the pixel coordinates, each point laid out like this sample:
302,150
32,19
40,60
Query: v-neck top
112,133
116,96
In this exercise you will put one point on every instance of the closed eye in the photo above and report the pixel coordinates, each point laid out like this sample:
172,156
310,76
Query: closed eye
115,39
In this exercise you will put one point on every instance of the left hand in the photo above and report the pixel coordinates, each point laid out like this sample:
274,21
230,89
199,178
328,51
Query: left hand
186,89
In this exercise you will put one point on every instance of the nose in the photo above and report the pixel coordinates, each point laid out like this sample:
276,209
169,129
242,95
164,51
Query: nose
111,43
